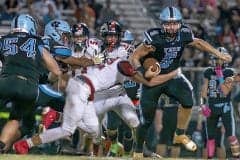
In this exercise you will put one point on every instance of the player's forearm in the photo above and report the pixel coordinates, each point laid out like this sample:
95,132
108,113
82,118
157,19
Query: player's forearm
141,51
206,47
162,78
226,87
138,77
82,61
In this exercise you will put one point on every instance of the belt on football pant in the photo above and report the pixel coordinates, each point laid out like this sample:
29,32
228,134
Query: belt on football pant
89,83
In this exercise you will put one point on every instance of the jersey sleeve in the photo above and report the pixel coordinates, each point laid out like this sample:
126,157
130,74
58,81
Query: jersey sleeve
186,34
153,36
229,72
207,73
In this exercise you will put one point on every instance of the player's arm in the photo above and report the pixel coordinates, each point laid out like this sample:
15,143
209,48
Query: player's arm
162,78
74,61
141,51
158,119
125,68
206,47
138,77
228,83
50,62
204,91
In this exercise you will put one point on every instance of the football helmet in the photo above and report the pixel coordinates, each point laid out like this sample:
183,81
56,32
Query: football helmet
59,31
80,34
171,20
111,34
24,23
128,37
215,61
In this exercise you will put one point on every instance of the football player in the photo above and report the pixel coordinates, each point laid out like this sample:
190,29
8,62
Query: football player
24,54
166,44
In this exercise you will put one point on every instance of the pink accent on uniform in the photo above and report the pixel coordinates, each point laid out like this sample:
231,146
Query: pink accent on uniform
218,71
206,111
211,148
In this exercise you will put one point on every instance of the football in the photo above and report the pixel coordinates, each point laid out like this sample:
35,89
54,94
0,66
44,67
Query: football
151,62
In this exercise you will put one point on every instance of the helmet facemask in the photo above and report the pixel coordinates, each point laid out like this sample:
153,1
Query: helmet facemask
112,41
171,28
171,20
80,34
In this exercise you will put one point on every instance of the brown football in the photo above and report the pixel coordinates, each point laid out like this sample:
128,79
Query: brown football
151,62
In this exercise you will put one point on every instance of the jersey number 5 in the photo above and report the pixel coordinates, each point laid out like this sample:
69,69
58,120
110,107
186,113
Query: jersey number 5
11,48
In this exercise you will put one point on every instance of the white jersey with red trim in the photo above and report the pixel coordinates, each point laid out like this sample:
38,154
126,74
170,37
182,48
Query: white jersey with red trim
119,52
105,75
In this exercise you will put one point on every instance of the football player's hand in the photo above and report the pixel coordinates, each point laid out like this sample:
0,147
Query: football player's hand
150,73
206,111
98,59
229,80
149,47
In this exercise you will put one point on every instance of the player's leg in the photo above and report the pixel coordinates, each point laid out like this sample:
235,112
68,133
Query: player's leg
89,124
229,124
148,103
181,89
220,136
23,107
211,133
76,96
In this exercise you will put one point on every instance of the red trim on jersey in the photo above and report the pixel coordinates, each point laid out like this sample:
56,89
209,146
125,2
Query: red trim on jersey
136,102
89,83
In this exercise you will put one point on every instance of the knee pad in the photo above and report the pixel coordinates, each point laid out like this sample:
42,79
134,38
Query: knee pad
234,145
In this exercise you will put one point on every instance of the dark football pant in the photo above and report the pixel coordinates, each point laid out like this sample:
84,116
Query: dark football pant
22,92
179,88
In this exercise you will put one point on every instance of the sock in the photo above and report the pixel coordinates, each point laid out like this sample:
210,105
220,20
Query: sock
183,118
180,131
51,135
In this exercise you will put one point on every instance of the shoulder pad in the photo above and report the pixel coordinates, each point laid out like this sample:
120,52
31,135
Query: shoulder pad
186,29
150,34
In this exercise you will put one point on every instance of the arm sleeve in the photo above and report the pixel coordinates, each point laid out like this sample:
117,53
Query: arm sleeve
152,36
207,73
187,34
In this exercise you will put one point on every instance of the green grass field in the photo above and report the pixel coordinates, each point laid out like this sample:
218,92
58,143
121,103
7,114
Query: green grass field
60,157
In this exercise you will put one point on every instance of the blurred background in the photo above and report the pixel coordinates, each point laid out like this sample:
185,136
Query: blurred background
216,21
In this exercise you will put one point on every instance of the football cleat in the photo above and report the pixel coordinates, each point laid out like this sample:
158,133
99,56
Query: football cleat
21,147
137,156
186,141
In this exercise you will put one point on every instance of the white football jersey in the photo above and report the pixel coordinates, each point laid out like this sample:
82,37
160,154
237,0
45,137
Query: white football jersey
105,75
119,52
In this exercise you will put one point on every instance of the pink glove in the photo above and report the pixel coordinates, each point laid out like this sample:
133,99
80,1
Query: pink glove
219,72
206,111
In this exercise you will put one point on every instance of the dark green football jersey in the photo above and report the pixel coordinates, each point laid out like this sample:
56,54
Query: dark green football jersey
22,55
214,92
168,53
